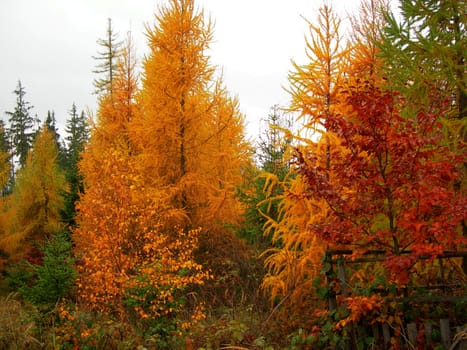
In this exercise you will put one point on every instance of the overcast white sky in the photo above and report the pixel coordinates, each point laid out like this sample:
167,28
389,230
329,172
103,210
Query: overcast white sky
49,44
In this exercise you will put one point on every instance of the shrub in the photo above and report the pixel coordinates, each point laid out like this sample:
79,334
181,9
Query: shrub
54,278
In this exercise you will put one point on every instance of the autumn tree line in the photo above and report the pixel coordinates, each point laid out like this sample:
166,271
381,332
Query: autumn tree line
157,224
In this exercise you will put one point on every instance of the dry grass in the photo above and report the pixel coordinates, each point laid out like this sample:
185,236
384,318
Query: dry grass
16,331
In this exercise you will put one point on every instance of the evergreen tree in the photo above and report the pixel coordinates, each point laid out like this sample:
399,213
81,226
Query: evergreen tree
5,168
273,142
271,155
54,278
21,126
51,124
425,53
107,60
77,130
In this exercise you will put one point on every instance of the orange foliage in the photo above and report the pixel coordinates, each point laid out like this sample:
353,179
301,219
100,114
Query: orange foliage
315,86
315,89
33,210
158,166
359,306
121,244
200,144
127,243
367,26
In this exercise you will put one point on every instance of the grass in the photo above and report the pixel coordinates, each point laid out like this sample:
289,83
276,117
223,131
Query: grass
16,328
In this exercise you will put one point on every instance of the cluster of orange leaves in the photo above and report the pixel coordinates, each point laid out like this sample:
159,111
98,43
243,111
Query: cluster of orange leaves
70,327
169,268
359,306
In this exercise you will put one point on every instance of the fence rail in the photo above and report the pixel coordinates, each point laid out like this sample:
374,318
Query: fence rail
413,335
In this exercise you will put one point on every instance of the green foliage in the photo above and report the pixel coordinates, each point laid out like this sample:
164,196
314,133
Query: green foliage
77,130
5,169
165,325
53,279
18,275
424,54
50,124
239,328
252,196
21,126
274,141
271,157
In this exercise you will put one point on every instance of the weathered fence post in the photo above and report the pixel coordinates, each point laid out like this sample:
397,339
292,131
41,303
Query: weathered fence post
332,302
445,332
412,333
428,331
342,277
386,334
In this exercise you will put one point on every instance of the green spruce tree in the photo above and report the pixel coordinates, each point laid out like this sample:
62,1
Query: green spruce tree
21,130
271,159
77,130
5,168
54,278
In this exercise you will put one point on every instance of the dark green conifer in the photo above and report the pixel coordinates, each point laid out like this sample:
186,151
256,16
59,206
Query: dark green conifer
77,130
21,130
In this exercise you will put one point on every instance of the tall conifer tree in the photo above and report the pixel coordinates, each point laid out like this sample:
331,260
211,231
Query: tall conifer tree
190,139
4,161
190,119
77,130
107,60
21,126
315,88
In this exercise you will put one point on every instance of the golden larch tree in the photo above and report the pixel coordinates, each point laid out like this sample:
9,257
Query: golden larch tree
190,140
100,234
128,263
315,91
190,137
367,27
33,211
191,132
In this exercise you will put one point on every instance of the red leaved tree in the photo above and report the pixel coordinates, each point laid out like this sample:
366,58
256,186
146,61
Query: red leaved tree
392,183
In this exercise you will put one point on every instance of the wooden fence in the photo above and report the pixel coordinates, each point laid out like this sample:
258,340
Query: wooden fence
446,330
